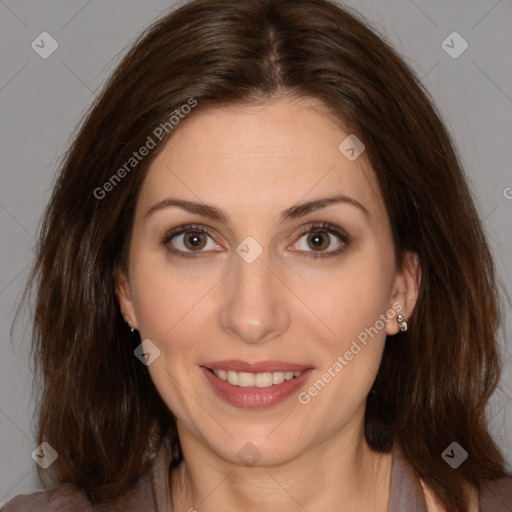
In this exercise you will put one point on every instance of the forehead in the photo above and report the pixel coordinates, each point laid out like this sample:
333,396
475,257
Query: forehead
259,159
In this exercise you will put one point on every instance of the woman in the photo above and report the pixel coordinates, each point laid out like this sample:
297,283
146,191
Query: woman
332,344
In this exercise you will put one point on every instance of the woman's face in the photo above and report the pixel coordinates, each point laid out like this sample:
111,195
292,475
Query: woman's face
278,284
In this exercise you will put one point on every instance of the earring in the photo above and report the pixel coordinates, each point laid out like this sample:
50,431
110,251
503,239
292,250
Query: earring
402,323
129,323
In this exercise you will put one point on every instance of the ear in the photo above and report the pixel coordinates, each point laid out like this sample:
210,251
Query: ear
124,297
405,290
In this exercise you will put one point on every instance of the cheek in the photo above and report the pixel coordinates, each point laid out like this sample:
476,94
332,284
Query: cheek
168,307
165,297
350,299
355,305
350,358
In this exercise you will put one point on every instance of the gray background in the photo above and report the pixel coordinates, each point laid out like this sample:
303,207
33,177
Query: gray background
42,100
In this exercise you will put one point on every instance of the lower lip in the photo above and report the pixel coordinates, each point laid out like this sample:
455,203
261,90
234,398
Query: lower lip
253,397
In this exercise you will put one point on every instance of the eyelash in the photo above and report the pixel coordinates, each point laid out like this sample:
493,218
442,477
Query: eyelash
313,227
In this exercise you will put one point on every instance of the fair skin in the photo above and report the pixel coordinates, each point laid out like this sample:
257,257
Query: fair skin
253,162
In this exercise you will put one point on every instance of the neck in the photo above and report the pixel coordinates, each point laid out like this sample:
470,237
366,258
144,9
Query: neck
341,473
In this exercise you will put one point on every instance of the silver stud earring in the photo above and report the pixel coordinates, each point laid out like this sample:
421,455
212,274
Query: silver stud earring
129,323
402,323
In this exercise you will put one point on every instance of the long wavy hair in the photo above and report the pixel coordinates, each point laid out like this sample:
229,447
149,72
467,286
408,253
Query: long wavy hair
98,407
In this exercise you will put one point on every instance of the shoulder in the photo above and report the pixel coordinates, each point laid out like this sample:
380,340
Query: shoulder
62,498
150,494
496,495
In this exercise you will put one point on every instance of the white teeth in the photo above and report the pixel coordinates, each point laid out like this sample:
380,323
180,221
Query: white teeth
277,377
245,380
232,378
263,380
259,380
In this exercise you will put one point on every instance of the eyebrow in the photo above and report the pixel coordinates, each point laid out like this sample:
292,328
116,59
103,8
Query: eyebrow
217,214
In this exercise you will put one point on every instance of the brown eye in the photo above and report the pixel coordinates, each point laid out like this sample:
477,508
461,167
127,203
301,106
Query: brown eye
318,240
194,240
322,240
189,241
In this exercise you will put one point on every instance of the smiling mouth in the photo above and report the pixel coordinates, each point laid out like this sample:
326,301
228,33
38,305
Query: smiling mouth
258,380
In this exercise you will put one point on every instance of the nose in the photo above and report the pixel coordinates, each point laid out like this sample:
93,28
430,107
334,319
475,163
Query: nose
254,301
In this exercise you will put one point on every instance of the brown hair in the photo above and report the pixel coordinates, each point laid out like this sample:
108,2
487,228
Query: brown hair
99,408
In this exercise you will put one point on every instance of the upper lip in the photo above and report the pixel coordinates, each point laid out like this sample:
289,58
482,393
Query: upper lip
237,365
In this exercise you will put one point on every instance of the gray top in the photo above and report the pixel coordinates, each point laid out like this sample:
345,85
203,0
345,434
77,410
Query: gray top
152,492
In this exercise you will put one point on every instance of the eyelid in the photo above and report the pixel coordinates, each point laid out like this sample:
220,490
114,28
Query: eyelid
322,226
